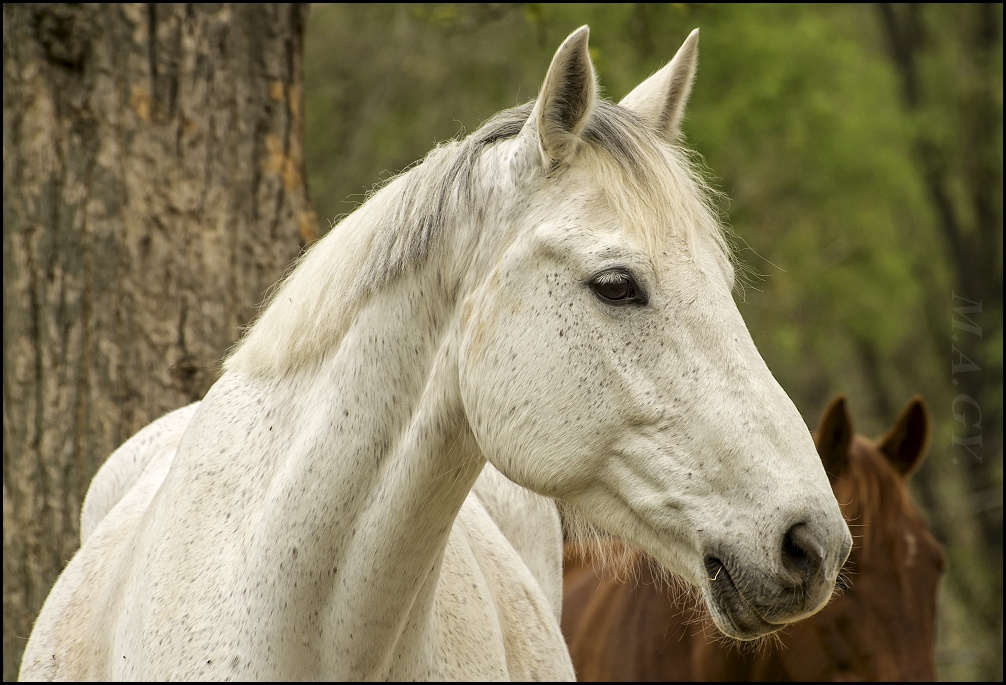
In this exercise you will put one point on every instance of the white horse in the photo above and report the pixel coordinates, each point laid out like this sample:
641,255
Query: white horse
537,315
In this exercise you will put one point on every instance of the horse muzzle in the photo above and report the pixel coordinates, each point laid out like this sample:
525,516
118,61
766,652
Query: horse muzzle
747,603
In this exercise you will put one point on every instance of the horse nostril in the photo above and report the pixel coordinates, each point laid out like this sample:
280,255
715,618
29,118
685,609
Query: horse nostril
801,552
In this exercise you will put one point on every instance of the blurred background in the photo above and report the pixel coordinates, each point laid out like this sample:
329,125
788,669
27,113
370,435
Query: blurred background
858,148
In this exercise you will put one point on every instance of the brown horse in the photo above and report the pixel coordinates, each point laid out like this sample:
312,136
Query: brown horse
881,628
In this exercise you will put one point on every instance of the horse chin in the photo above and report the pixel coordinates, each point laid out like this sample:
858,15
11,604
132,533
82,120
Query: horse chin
732,613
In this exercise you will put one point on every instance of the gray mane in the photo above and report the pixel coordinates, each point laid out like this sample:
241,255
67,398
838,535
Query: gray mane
446,183
403,224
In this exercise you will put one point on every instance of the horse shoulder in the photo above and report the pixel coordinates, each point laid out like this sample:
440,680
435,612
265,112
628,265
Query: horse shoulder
530,523
125,466
74,634
489,592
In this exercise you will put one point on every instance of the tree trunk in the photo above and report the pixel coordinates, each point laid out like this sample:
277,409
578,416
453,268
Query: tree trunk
153,190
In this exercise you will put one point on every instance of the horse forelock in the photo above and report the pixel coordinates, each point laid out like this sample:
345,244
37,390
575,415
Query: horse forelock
402,224
656,187
874,498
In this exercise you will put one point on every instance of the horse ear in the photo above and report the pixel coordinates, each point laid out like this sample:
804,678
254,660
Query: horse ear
566,100
833,437
905,443
660,100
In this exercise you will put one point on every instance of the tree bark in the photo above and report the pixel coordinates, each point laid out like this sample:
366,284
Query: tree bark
154,189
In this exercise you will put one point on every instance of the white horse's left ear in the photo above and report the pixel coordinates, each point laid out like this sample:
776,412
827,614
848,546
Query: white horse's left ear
660,100
567,98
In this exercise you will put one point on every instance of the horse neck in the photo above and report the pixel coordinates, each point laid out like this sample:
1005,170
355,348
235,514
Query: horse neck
361,464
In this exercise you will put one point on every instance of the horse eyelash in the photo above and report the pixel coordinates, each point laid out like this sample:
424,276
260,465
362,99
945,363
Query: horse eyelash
612,276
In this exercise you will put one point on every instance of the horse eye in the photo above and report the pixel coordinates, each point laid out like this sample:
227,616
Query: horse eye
617,287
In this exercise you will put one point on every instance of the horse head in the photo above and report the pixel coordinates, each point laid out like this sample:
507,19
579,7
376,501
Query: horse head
603,361
895,564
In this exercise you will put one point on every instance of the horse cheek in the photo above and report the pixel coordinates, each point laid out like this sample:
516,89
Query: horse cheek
519,381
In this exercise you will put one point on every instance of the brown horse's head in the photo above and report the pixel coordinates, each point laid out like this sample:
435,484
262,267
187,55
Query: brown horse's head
883,626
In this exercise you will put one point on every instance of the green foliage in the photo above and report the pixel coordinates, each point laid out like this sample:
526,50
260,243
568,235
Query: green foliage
799,113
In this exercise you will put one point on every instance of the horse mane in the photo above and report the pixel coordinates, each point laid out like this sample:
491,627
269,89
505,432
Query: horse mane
872,495
403,222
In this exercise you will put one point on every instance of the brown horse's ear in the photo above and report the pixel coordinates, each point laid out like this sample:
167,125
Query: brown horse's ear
833,437
905,443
